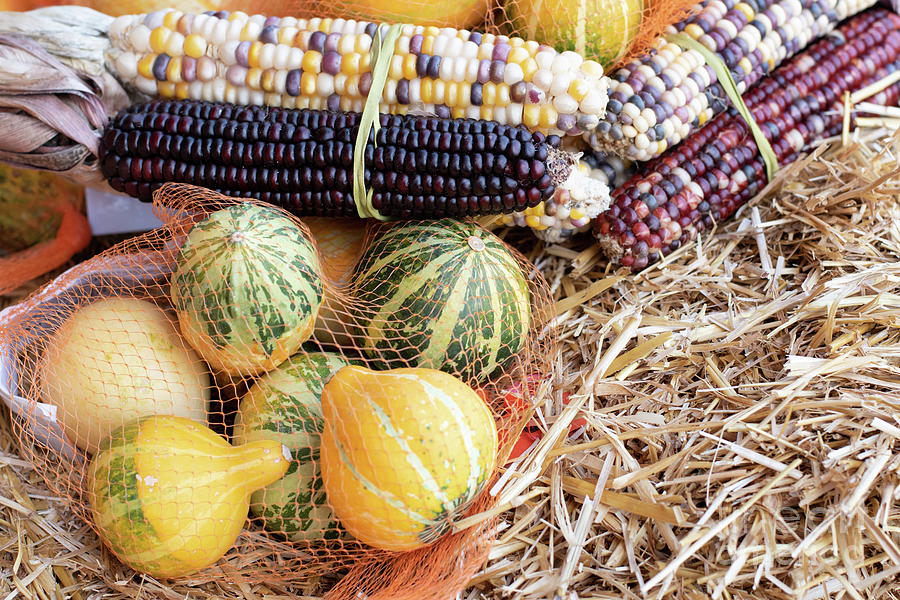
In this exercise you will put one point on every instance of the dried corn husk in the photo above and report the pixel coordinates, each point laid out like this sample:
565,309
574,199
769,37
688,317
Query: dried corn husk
55,93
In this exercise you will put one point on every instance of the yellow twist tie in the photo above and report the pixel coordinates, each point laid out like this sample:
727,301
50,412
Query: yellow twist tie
730,87
382,51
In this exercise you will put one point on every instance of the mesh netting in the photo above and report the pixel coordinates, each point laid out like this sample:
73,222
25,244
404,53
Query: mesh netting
609,31
248,338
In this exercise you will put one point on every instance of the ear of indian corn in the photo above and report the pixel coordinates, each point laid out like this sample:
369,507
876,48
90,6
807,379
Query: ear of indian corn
717,169
326,64
302,160
657,101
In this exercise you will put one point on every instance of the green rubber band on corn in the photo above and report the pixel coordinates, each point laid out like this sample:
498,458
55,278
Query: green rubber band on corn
730,87
382,51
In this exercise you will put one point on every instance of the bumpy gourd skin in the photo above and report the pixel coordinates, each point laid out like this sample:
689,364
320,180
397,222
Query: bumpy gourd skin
170,497
404,452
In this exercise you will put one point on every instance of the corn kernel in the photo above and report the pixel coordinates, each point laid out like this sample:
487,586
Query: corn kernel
439,90
531,115
171,18
592,68
325,25
173,70
426,90
253,54
451,98
548,116
145,66
365,63
363,44
308,84
267,81
518,55
503,98
516,42
693,30
158,39
465,94
458,113
539,210
431,31
395,71
529,68
182,90
428,45
578,89
350,64
576,214
166,89
194,45
312,61
409,67
489,94
254,74
487,113
238,15
534,222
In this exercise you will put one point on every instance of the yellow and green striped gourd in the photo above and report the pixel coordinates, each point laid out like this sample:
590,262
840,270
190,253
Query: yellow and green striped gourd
404,453
445,294
247,288
170,497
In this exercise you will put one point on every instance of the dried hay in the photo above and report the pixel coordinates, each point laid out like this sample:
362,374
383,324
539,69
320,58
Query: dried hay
741,436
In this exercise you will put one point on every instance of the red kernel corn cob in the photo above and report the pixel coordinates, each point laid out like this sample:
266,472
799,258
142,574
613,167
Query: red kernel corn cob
717,169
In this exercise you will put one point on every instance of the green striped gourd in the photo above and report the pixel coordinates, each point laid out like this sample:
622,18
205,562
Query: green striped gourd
247,288
445,294
170,497
285,405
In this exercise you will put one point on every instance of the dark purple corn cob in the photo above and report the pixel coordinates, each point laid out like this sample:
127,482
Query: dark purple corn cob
302,160
706,178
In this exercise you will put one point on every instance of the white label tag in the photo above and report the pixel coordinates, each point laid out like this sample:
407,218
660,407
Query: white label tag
111,213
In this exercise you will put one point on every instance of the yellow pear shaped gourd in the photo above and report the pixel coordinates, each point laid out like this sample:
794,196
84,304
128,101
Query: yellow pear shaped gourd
170,497
404,452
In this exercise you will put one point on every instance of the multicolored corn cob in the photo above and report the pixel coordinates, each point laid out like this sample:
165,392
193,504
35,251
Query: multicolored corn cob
711,174
303,160
657,101
326,64
558,218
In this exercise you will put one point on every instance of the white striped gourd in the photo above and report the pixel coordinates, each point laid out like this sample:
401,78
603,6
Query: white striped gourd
404,452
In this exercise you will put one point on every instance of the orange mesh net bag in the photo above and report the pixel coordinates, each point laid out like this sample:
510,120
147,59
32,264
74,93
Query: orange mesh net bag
227,397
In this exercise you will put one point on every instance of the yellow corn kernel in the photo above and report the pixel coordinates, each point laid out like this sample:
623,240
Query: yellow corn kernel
539,210
516,42
485,51
489,94
308,84
529,68
267,81
350,64
440,89
548,116
173,70
465,94
487,113
166,89
409,67
458,113
534,222
744,63
579,89
312,61
592,68
254,74
238,14
194,45
286,35
702,118
171,18
325,25
363,44
451,92
248,31
661,146
158,39
503,98
253,54
426,90
365,63
395,71
694,30
576,214
518,55
745,8
145,66
431,31
428,44
531,115
182,90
